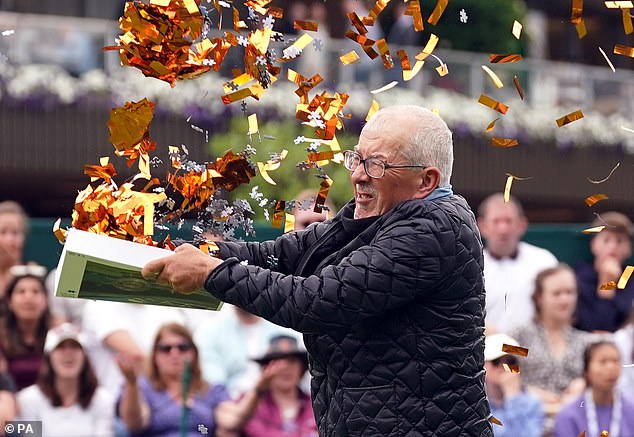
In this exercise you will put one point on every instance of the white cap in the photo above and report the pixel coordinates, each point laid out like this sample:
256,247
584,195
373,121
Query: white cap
63,332
493,346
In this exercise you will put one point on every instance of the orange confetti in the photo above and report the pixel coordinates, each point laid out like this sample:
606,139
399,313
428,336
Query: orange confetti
592,200
627,21
569,118
437,12
496,421
493,104
322,195
310,26
504,142
608,286
620,49
511,368
499,59
373,109
625,277
491,126
577,11
429,48
581,29
349,58
514,350
518,87
413,10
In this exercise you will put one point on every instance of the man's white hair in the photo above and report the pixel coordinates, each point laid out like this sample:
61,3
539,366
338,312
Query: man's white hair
430,142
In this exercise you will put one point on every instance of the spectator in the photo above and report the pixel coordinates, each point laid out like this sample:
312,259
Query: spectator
510,265
114,328
624,339
227,343
601,407
175,398
63,309
605,310
553,369
402,34
67,398
520,412
13,229
283,408
24,326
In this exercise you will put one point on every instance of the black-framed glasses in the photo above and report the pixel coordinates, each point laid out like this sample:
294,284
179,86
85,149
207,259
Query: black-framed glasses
167,348
374,167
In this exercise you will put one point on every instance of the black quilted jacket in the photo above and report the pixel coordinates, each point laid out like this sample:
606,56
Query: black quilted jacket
392,316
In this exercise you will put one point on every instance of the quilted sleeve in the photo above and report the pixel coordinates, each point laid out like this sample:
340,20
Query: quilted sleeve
404,264
286,249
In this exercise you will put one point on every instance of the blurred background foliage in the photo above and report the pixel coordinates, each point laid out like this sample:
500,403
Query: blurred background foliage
290,180
487,29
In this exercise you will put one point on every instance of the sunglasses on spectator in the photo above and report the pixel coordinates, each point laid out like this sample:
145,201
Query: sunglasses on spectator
167,348
507,359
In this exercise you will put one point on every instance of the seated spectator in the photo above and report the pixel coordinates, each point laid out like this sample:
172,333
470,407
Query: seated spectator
624,339
510,265
605,310
283,408
520,412
66,397
13,229
114,328
228,341
175,400
601,407
24,327
553,369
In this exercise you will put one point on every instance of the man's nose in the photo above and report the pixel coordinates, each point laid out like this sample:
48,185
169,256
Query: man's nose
359,174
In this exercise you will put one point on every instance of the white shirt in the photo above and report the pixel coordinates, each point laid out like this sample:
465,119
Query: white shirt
513,280
96,421
624,339
104,318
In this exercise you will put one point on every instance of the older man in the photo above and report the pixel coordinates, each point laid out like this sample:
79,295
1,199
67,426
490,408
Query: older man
389,293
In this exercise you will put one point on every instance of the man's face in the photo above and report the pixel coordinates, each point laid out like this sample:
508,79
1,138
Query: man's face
502,227
374,197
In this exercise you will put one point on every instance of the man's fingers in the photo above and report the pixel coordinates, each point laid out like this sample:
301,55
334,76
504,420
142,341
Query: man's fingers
152,269
183,248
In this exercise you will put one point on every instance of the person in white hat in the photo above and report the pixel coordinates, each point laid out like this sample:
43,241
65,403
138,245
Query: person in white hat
66,396
520,412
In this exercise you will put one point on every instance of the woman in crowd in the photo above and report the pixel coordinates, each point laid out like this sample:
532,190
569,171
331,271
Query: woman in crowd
283,409
13,228
601,407
175,398
66,397
24,326
553,369
624,339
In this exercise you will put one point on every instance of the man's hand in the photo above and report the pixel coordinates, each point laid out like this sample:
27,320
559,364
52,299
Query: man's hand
608,269
185,271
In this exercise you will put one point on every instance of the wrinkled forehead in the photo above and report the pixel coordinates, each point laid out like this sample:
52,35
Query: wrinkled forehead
379,144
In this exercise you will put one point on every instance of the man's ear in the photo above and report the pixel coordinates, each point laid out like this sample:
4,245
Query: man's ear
429,181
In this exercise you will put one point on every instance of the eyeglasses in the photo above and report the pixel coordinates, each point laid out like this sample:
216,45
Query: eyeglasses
374,167
167,348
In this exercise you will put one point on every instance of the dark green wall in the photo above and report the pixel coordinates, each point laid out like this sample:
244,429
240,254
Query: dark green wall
565,240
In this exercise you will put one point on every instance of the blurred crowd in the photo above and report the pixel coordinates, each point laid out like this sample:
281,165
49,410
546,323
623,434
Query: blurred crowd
95,368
